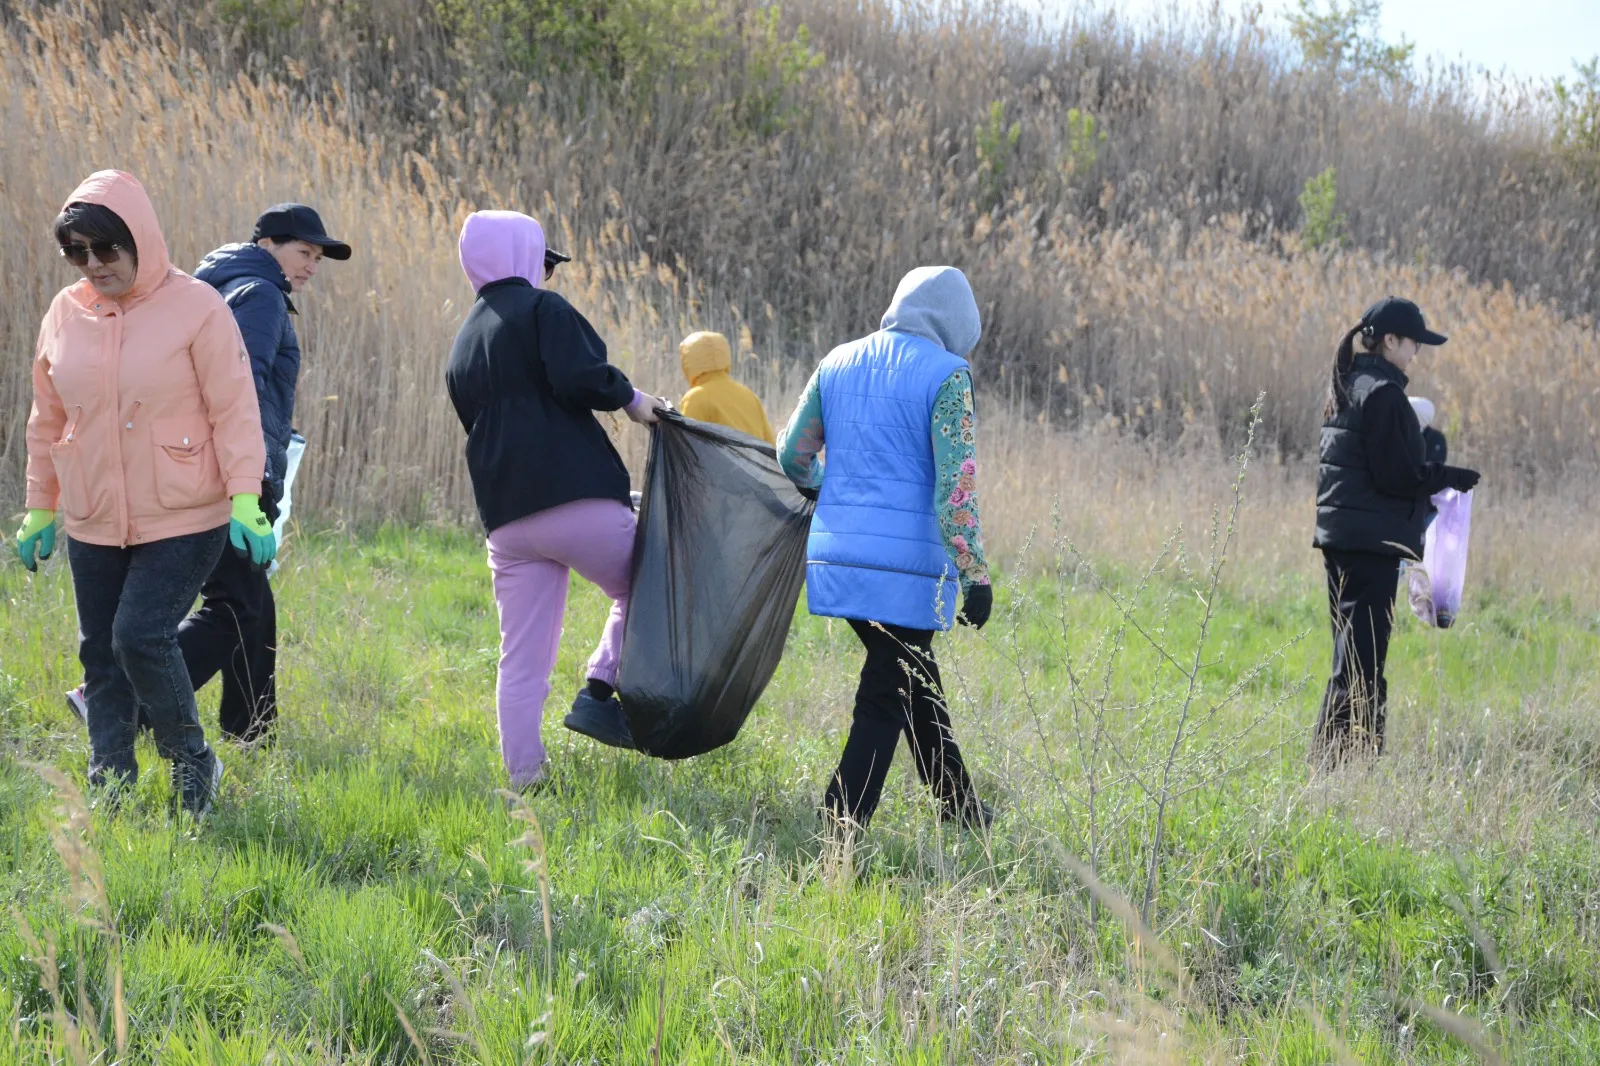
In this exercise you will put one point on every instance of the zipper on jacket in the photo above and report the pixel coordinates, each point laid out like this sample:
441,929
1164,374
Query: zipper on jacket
133,530
114,371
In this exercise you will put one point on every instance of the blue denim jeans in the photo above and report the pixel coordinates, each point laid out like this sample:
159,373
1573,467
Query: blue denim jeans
130,601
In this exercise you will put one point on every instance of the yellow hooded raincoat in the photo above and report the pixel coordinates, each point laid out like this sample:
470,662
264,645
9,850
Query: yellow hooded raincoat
713,395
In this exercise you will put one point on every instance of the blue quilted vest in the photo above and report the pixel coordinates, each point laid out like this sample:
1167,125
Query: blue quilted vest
875,553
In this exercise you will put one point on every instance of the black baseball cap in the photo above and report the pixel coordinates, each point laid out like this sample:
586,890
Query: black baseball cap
297,222
553,259
1400,317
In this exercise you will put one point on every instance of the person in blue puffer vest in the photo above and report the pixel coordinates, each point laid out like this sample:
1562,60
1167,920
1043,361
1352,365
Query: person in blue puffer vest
896,531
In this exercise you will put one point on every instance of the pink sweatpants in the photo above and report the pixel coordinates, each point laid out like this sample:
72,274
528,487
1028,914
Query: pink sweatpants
531,559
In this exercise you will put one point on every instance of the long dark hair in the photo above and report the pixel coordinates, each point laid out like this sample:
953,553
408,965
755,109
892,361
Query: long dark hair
1343,362
97,222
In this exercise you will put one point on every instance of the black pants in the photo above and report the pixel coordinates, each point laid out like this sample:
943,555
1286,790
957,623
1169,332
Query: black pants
1361,592
235,633
130,601
900,692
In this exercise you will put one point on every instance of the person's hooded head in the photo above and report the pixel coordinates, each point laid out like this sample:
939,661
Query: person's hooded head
497,245
108,230
704,354
936,304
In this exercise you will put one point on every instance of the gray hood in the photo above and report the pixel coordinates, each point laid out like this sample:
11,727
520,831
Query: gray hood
936,304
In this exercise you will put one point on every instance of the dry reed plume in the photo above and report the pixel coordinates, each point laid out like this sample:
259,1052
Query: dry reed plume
1123,350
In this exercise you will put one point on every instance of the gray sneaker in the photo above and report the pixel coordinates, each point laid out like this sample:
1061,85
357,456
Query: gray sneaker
78,704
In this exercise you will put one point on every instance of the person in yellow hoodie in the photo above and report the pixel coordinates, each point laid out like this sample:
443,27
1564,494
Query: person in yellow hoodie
713,395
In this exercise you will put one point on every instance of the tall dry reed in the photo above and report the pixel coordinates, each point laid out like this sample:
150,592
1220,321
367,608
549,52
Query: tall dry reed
1155,340
1204,115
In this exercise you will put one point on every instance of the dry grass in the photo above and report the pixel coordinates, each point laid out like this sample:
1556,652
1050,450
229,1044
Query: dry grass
1157,333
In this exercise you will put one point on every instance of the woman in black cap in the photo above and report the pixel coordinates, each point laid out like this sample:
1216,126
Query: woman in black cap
1373,489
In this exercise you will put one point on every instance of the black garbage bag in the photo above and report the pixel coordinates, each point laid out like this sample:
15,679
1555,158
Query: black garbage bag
717,570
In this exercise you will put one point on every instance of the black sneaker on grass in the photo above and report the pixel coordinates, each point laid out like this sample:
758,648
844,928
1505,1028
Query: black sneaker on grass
600,720
195,780
108,787
973,814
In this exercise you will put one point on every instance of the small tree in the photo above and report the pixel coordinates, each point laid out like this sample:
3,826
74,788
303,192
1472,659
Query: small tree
1345,39
997,150
1576,125
1322,224
1084,138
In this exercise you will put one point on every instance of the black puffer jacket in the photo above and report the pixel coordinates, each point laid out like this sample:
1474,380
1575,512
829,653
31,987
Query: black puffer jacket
527,372
1374,480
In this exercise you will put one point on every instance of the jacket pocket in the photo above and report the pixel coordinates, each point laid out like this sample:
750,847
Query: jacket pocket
186,470
76,500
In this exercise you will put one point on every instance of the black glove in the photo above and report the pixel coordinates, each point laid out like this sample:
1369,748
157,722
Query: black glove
975,606
809,493
1460,478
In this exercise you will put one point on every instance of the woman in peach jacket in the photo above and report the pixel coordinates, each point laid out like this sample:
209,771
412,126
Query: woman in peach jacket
146,436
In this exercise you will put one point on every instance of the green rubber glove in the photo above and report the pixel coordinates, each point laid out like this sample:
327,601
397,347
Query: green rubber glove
250,533
37,538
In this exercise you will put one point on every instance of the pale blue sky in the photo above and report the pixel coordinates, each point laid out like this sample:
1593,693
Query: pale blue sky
1525,38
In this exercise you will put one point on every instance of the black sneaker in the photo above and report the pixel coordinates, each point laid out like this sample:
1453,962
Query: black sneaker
195,780
974,814
600,720
108,786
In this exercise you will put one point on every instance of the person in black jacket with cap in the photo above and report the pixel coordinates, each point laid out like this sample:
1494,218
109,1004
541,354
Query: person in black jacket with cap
1373,487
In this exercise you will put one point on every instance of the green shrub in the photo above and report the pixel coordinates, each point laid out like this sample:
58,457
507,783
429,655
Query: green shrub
997,152
1322,224
641,44
1576,118
255,18
1084,138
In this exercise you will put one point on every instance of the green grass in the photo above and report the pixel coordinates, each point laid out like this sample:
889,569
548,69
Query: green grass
362,894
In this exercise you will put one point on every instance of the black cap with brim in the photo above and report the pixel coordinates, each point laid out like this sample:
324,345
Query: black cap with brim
1401,318
553,258
297,222
331,248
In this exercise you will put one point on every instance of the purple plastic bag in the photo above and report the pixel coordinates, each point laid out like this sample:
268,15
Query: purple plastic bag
1436,584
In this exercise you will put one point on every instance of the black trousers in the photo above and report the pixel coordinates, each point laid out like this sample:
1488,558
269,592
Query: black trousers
235,633
900,692
1361,593
130,602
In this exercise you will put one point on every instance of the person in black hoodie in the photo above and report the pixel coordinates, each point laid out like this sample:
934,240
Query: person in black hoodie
1373,485
527,373
235,630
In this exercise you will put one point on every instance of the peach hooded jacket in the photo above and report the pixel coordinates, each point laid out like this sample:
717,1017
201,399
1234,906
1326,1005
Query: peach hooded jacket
144,419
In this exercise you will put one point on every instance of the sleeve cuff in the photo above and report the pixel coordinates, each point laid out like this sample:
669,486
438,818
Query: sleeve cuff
243,486
633,404
41,501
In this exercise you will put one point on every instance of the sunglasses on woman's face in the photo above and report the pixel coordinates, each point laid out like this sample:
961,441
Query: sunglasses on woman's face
106,252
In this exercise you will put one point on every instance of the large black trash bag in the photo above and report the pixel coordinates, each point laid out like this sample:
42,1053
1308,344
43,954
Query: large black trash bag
717,570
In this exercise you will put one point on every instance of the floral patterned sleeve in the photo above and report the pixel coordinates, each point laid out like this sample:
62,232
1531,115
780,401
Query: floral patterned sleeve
801,440
955,493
